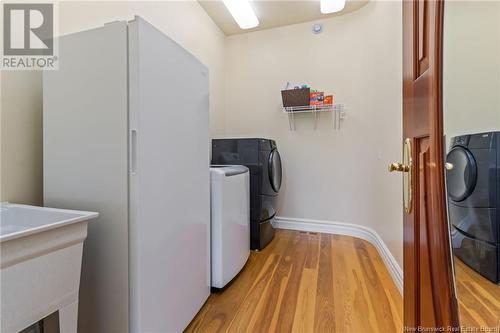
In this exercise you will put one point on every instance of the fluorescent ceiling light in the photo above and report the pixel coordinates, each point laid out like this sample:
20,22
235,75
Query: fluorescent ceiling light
332,6
242,12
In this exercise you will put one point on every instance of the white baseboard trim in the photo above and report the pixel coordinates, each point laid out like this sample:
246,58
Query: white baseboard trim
348,229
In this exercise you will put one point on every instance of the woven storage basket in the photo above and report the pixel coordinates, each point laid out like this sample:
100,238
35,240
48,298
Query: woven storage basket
295,97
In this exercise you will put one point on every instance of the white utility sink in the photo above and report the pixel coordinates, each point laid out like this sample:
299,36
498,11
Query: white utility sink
40,263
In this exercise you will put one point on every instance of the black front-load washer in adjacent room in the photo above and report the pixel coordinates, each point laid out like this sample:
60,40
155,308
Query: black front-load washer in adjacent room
262,158
473,185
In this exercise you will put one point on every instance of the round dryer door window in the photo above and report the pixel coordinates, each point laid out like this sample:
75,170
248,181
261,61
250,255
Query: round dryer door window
275,170
461,179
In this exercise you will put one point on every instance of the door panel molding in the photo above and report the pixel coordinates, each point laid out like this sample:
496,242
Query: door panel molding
421,36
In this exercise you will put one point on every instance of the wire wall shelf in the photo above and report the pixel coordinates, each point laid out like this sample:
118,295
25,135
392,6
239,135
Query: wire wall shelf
337,110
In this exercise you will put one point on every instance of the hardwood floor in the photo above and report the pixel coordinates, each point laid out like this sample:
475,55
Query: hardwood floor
478,298
307,282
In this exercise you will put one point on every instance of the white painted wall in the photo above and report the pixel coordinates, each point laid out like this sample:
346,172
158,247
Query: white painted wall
337,176
471,84
21,137
21,93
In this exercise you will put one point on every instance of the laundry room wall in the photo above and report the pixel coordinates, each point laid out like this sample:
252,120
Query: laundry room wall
328,175
21,137
471,73
21,92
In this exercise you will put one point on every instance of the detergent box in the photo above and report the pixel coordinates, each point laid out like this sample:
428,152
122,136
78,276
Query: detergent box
316,98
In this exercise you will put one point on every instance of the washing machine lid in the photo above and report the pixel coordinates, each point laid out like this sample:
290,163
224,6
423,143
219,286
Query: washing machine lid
229,170
274,171
461,179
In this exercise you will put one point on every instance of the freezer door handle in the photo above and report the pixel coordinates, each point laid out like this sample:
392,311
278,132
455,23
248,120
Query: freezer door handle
133,152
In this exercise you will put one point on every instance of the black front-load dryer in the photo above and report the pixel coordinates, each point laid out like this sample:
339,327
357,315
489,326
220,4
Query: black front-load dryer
473,185
262,158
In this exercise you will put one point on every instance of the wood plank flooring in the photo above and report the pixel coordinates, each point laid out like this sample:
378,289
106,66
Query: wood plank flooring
478,298
307,282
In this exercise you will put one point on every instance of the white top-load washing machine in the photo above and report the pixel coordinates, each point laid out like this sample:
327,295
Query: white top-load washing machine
230,221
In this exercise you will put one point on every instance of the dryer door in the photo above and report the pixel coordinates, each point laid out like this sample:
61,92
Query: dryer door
461,179
274,171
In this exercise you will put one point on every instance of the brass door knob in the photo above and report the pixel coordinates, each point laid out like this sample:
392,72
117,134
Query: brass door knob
398,167
406,168
448,166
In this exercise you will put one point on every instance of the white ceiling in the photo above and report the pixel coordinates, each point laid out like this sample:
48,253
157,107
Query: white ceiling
273,13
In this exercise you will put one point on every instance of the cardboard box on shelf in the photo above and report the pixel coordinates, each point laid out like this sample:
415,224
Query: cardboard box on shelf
328,100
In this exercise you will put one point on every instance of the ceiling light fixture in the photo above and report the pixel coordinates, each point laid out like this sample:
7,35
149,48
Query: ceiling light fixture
242,12
332,6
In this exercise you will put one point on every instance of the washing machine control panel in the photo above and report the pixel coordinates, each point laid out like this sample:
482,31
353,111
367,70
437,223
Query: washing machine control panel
462,140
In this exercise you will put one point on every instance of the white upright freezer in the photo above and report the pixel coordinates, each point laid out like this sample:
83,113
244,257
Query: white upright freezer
125,130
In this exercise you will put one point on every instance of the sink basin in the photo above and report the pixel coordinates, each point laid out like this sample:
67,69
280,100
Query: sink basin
40,262
21,220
